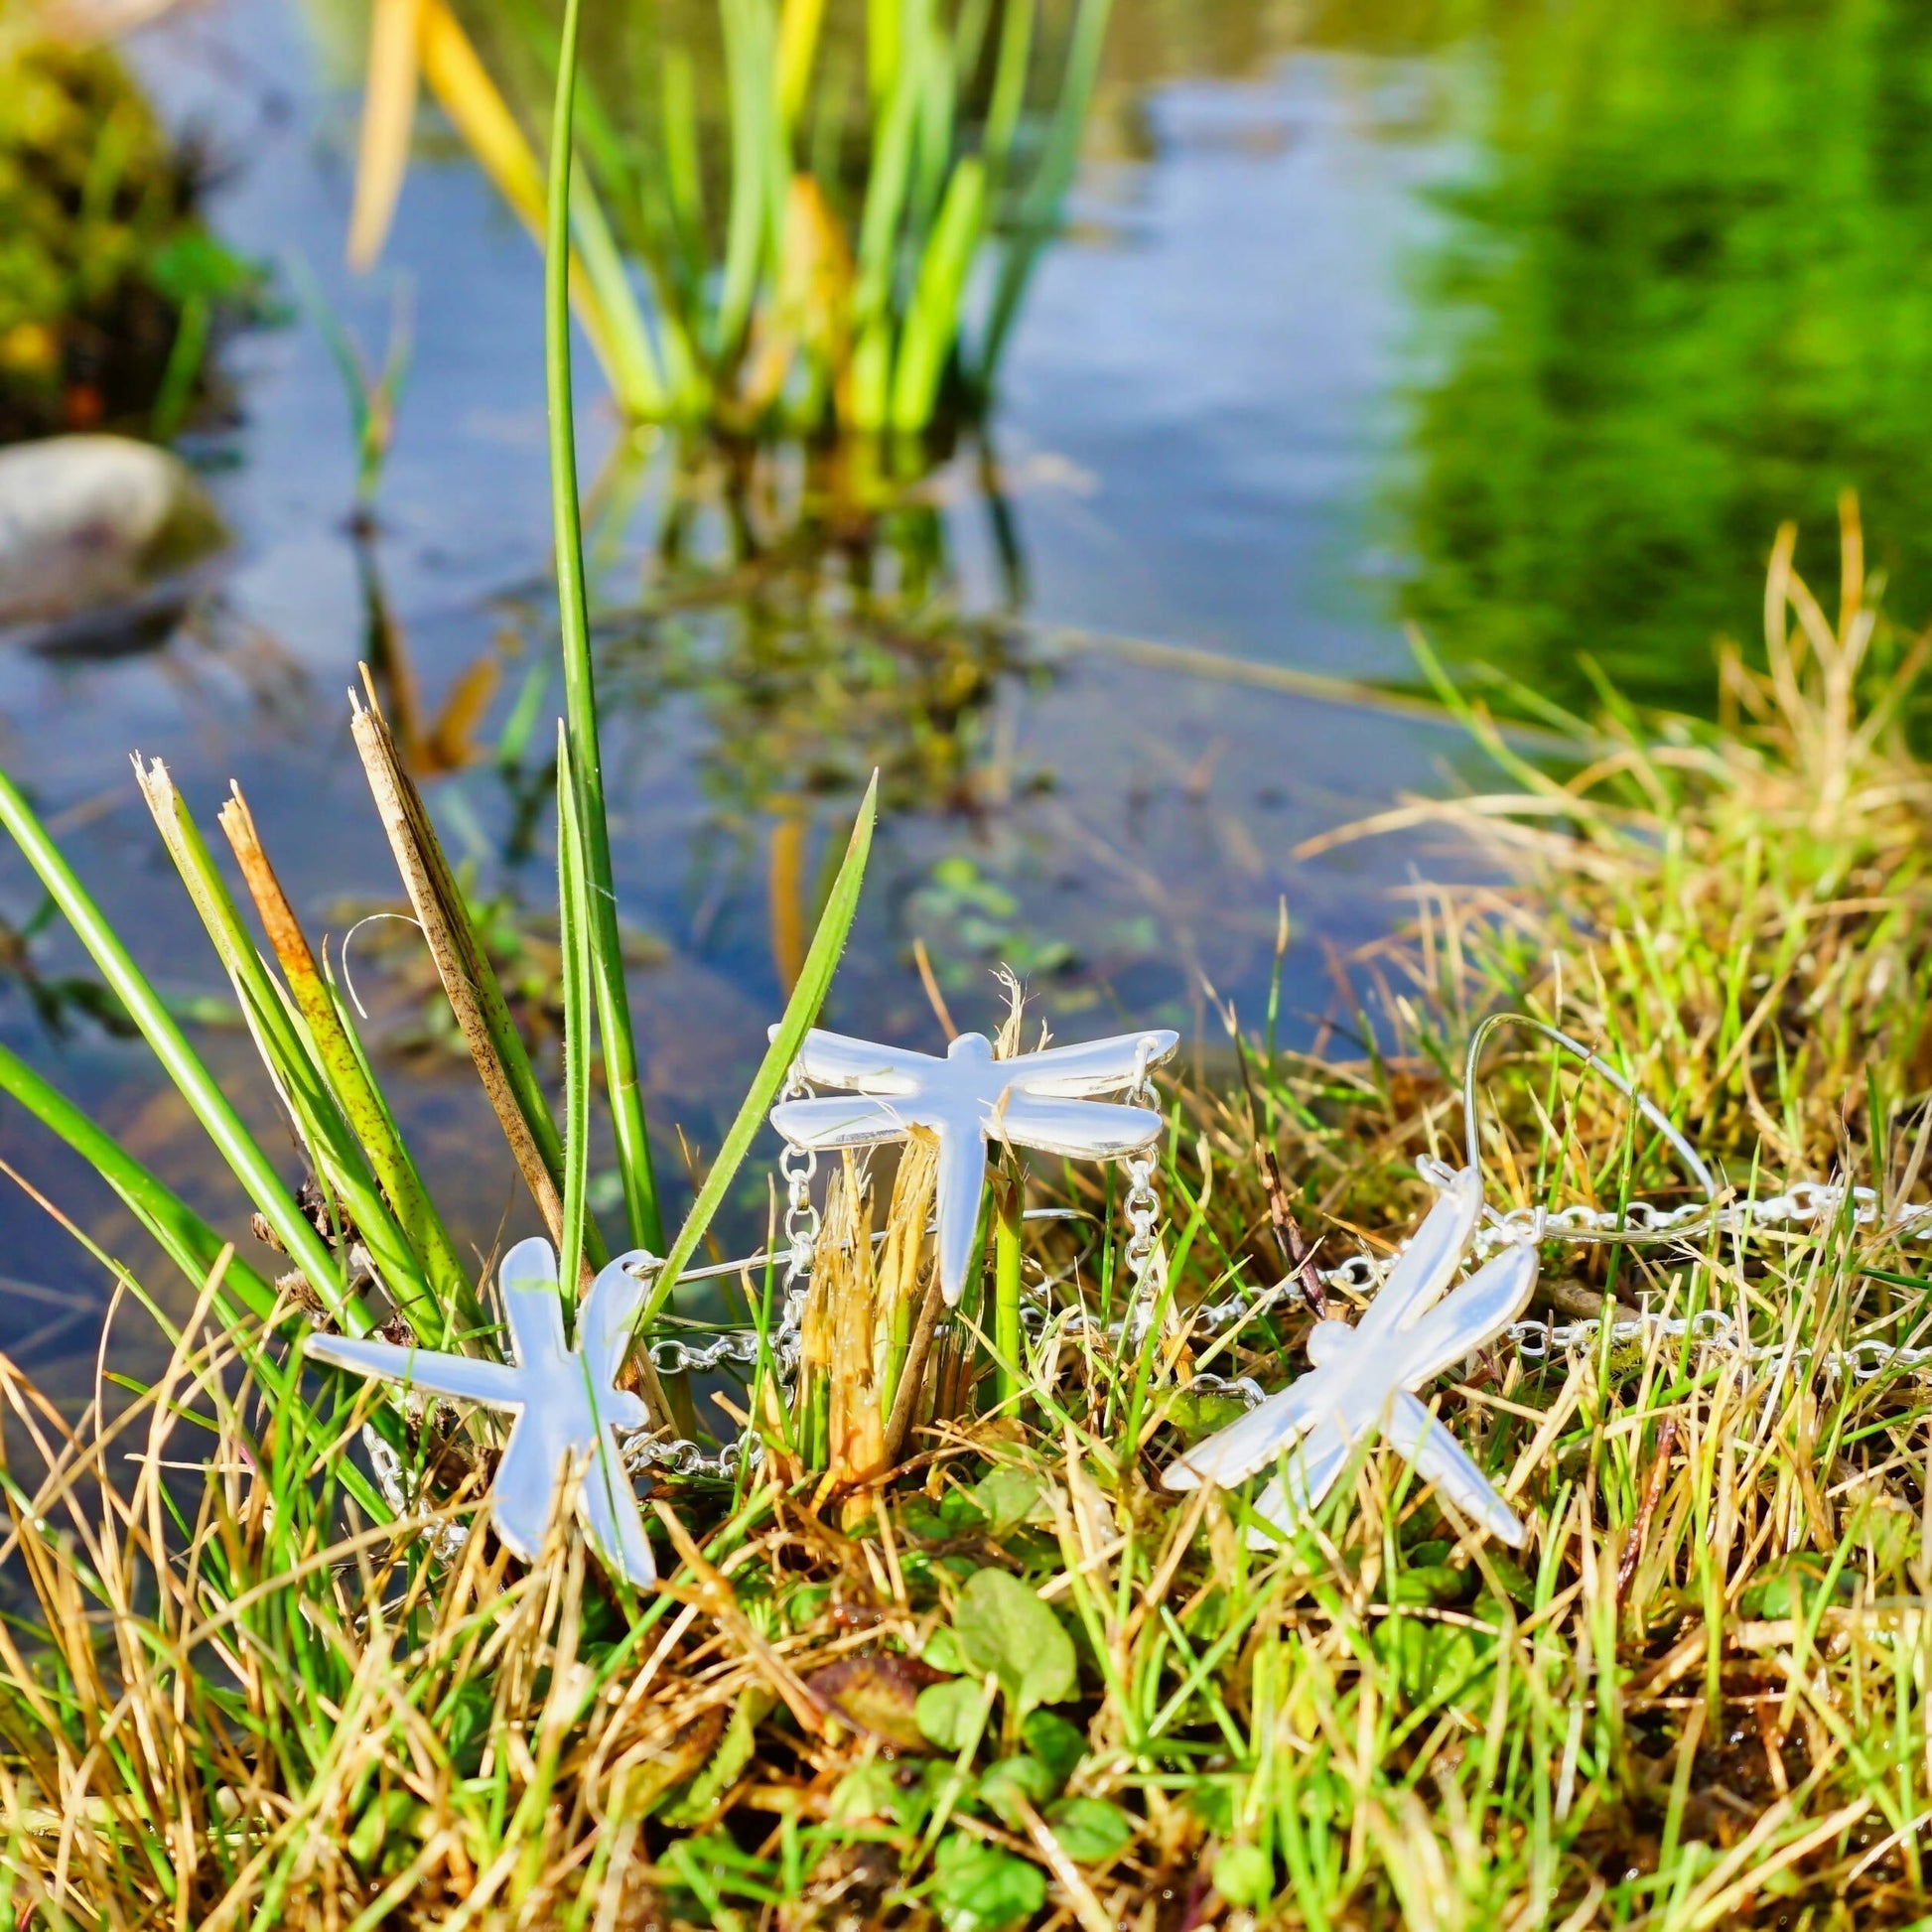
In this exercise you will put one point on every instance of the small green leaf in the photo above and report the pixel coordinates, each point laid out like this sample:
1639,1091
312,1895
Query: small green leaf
1090,1829
942,1652
961,1515
949,1713
1058,1745
869,1792
1008,1497
1199,1412
1004,1784
1429,1582
468,1727
980,1889
1003,1627
1244,1874
1212,1801
389,1811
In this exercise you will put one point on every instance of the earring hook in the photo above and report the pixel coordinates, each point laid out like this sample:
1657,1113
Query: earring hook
1471,1122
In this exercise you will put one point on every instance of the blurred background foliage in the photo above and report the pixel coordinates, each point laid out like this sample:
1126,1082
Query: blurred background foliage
111,284
1685,293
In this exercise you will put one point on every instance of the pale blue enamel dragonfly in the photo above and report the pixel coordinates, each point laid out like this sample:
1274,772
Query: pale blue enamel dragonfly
1364,1380
1043,1100
565,1400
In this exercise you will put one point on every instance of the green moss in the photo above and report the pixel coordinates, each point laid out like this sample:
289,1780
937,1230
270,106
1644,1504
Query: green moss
108,280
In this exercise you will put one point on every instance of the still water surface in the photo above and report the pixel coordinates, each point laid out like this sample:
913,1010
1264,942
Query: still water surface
1528,323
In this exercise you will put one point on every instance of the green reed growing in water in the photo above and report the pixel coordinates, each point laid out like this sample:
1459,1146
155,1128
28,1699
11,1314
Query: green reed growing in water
790,217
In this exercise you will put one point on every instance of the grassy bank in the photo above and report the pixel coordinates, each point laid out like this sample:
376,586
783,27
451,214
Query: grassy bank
1010,1680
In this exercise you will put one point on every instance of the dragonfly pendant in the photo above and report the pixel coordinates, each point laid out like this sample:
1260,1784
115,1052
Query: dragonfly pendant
1043,1100
1365,1377
565,1400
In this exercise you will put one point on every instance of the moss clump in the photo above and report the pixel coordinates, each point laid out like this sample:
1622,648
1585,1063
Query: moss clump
109,283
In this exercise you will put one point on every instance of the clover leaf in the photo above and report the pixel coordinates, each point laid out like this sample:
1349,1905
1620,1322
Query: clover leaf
1090,1829
952,1714
1003,1628
981,1889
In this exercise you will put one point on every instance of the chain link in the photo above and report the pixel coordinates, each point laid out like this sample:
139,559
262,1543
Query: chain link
1538,1344
797,1164
1141,1209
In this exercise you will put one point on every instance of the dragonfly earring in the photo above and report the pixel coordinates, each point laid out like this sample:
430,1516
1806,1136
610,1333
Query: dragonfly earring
1365,1378
1048,1101
565,1401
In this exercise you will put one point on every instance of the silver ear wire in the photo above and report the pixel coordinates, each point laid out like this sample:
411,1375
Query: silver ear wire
1693,1162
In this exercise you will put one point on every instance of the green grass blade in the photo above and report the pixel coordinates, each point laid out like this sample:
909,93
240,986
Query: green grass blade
574,945
637,378
932,326
580,689
758,143
187,1240
288,1053
879,235
1009,83
210,1106
350,1082
814,978
882,46
1041,213
931,59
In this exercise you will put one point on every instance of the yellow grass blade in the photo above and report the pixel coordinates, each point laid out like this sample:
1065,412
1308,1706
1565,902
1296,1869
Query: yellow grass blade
799,25
455,77
388,116
463,88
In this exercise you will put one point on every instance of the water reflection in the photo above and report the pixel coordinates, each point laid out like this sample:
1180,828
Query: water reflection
1683,296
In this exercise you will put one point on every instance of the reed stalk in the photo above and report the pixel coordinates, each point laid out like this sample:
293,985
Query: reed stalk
605,945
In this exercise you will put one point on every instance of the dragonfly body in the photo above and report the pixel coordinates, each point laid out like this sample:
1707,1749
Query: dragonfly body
564,1402
1365,1377
1045,1101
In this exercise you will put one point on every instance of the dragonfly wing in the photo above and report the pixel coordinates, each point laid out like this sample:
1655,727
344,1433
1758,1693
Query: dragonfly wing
609,1506
835,1060
1308,1475
606,1320
1439,1459
494,1383
1238,1451
531,1303
1092,1066
1486,1305
839,1120
1087,1129
961,1180
525,1489
1427,1264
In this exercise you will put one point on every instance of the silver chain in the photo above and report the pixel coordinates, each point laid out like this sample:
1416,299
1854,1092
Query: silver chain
1801,1205
797,1164
1141,1209
1358,1276
1537,1343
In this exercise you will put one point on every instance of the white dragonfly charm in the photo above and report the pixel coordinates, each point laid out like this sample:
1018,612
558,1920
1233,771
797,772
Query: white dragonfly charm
565,1401
1041,1100
1364,1378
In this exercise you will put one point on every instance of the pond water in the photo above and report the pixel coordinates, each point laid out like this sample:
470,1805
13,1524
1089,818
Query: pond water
1527,323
